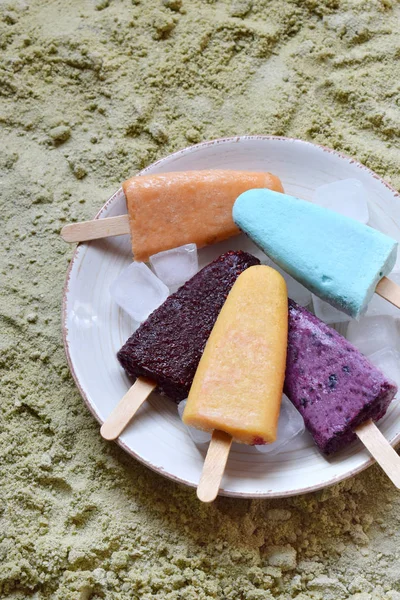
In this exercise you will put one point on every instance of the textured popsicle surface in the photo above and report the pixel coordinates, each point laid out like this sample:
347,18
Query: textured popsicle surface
238,384
337,258
330,382
167,347
172,209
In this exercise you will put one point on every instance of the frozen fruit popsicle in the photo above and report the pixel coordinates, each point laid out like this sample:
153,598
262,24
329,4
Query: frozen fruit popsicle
167,347
237,390
238,384
334,387
337,258
172,209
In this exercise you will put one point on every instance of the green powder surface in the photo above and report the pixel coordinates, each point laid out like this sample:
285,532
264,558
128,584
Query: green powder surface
91,92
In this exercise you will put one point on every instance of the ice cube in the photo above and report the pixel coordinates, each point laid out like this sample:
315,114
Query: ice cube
380,306
371,334
388,361
290,425
347,197
138,291
327,313
174,267
198,436
296,291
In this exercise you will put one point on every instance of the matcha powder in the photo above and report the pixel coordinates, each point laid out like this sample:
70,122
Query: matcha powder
91,92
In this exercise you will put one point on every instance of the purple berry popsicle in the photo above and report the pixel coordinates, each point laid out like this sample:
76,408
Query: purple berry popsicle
333,386
167,347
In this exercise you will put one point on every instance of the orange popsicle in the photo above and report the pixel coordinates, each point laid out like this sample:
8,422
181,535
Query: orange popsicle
172,209
238,384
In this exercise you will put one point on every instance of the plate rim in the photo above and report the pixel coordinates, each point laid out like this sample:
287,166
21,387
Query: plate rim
232,494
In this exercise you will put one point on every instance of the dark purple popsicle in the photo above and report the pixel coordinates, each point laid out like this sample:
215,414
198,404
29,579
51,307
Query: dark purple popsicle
334,387
167,347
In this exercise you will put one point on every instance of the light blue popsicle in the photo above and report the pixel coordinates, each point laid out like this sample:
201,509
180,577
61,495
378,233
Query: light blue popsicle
337,258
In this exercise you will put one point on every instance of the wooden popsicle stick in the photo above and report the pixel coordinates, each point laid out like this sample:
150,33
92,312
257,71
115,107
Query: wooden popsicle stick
381,450
125,410
214,466
96,229
389,290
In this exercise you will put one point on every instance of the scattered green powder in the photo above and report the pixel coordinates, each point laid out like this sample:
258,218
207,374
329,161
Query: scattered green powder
91,91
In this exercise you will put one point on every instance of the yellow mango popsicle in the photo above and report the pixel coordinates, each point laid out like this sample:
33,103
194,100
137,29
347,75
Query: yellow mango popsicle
172,209
238,384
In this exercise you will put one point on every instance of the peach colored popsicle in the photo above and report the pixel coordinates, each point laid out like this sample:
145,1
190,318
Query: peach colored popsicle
172,209
238,384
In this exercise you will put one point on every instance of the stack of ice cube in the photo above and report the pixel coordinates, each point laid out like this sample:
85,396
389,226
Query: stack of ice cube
377,338
138,291
328,313
371,334
347,197
290,426
388,361
174,267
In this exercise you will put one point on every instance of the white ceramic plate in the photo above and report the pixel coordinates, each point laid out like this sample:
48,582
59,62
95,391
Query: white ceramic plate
95,328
